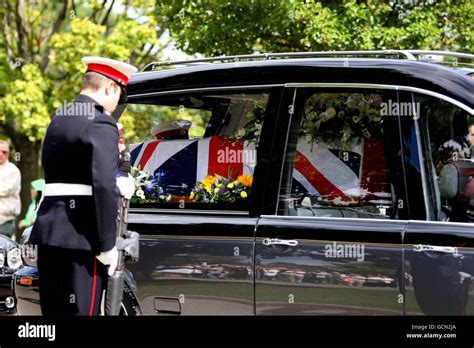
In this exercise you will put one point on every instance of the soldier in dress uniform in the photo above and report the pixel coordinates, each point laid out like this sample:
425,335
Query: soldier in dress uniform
75,229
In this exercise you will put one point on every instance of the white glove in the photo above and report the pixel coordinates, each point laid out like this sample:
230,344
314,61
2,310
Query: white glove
109,258
126,186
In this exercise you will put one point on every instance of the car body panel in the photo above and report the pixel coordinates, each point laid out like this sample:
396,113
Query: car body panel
194,265
314,278
27,292
439,283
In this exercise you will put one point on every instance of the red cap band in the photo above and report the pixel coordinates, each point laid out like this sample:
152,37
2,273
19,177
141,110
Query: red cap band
178,133
112,73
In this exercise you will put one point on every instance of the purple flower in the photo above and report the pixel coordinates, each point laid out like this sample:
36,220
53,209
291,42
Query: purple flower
159,176
222,190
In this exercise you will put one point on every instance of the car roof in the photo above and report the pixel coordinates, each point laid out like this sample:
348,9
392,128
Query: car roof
396,72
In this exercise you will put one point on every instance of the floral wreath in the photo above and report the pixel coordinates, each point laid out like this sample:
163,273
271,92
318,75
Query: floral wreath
343,117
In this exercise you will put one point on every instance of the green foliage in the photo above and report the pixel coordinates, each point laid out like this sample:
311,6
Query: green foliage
43,71
24,102
213,27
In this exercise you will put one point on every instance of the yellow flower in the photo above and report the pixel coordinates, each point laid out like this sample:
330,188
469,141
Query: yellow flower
191,196
231,185
208,181
243,194
216,190
245,180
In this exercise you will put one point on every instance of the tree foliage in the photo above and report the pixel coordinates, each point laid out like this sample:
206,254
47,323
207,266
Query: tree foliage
42,51
214,27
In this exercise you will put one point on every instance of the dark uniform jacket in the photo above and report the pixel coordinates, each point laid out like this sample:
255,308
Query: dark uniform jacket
80,147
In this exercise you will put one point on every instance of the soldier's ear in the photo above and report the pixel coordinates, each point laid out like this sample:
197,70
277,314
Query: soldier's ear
109,87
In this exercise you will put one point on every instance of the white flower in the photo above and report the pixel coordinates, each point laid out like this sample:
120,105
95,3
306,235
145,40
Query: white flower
140,193
452,144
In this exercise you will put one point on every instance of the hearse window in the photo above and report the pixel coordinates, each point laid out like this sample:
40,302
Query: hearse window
449,159
336,162
195,151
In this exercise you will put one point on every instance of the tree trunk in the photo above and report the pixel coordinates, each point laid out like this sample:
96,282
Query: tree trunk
26,159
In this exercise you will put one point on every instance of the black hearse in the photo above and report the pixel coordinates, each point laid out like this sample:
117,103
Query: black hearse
317,183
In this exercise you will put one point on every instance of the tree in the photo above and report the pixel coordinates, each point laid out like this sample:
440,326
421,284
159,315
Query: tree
214,27
40,62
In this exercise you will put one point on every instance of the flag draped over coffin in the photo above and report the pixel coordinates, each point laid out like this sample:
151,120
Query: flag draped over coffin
358,172
183,162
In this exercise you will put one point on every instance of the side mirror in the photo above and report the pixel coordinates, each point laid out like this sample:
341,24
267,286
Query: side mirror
456,180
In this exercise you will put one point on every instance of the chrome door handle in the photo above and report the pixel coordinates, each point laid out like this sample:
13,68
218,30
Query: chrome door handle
276,241
419,248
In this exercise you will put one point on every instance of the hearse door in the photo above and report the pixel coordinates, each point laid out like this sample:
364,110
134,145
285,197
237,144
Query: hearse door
197,249
194,264
333,243
439,240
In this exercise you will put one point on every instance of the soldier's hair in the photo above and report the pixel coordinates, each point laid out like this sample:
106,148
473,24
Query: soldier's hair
93,81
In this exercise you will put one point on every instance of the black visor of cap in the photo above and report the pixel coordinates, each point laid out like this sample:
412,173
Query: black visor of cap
123,94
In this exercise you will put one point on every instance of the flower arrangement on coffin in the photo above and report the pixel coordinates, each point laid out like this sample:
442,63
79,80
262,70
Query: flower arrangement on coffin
147,187
343,117
215,189
252,129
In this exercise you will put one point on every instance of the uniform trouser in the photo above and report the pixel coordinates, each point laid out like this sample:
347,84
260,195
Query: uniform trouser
70,281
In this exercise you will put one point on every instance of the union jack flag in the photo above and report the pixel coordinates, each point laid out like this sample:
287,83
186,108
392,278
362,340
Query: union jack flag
358,172
319,169
183,162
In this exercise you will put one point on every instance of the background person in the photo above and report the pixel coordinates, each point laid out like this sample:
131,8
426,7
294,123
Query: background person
30,216
471,138
10,186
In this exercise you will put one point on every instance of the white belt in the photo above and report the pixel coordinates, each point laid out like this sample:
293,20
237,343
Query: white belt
60,189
